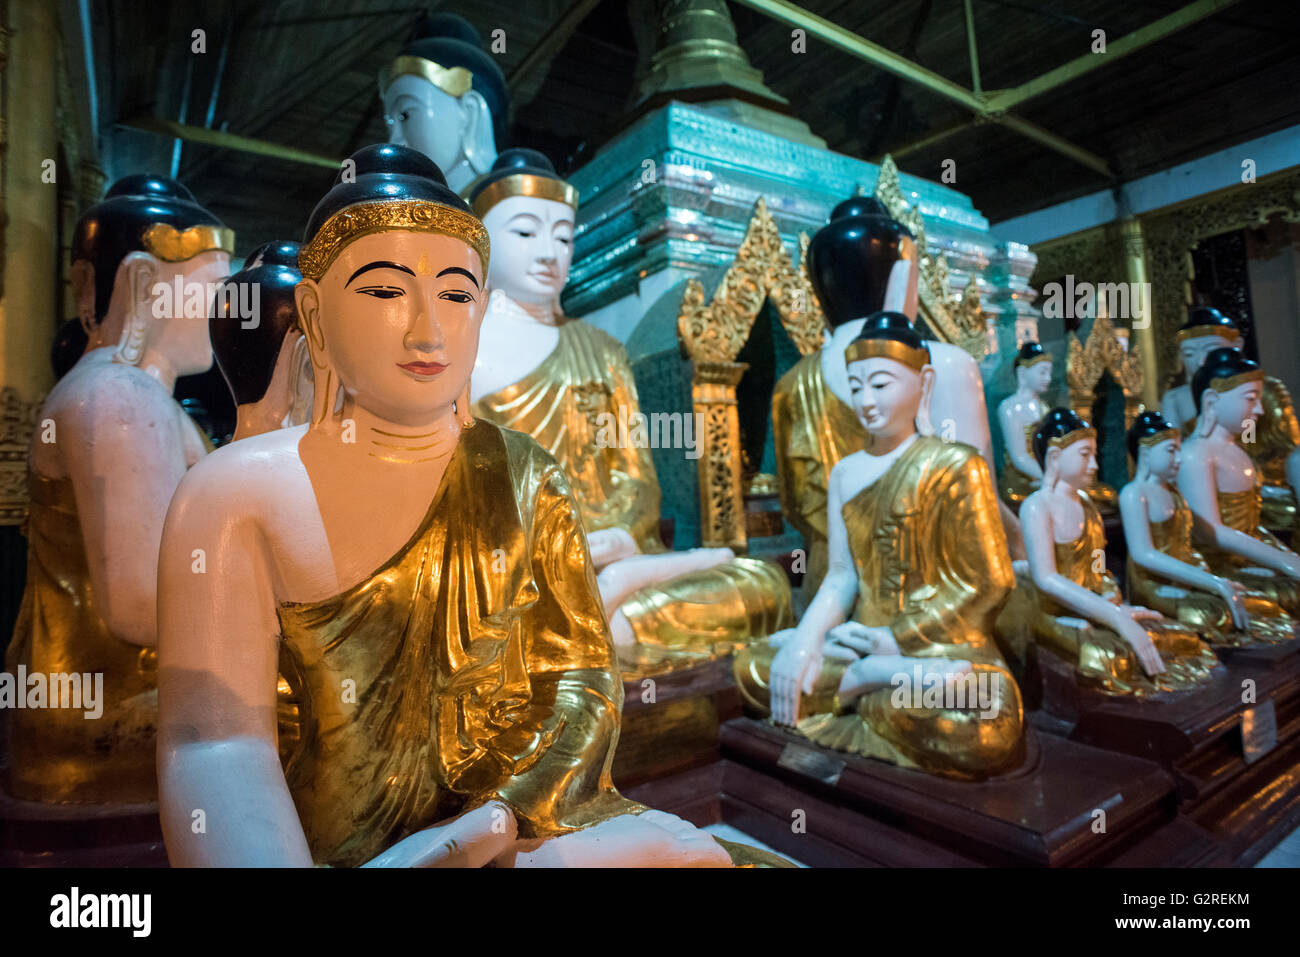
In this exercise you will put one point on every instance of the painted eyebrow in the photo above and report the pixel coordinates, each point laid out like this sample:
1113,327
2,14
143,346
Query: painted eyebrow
456,269
378,264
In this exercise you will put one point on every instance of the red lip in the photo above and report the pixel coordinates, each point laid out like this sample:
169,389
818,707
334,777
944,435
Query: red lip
423,368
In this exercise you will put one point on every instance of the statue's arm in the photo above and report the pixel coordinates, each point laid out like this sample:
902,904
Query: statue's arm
576,694
223,798
1133,510
1169,408
123,454
838,591
1040,545
1013,441
975,576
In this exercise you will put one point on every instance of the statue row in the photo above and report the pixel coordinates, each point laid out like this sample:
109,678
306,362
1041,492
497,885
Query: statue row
387,625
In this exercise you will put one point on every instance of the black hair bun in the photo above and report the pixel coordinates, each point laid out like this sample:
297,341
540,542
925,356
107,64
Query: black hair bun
1056,424
850,259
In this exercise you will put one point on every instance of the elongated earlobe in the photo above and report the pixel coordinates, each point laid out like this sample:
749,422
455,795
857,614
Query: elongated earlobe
1206,422
924,426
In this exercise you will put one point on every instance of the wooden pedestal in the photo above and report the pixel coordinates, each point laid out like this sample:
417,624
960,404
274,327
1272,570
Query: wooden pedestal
667,753
117,835
1070,804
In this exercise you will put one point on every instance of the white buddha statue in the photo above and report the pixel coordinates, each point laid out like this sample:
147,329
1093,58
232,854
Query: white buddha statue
446,97
1018,414
552,377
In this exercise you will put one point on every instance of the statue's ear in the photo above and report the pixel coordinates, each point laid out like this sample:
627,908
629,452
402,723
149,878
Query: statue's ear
139,272
1206,421
1051,461
478,142
924,425
83,291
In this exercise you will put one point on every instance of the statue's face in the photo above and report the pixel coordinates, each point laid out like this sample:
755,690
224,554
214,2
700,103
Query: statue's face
1036,378
886,396
1195,350
1161,459
1077,463
183,338
397,317
1237,407
423,117
532,247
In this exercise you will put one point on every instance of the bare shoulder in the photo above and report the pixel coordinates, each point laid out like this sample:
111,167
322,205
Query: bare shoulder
252,479
93,391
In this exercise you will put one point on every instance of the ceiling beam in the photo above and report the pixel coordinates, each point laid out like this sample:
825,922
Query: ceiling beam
900,66
1130,42
229,141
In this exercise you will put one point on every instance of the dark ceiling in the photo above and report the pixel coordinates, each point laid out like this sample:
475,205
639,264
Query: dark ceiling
302,73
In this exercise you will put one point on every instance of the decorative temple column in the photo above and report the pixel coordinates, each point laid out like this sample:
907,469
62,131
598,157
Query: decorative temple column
28,317
1135,269
722,503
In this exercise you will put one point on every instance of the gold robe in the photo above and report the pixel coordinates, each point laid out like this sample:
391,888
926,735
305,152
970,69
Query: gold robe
1104,659
449,678
562,404
57,755
1016,485
812,430
1207,613
1241,511
1277,433
933,567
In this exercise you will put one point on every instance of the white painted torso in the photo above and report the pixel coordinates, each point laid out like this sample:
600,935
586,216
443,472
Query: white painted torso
861,470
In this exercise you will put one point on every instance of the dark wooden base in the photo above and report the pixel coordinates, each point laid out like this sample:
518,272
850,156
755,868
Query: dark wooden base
1070,804
65,835
670,725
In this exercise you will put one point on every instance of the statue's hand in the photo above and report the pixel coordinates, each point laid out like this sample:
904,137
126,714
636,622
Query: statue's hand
1140,641
471,840
648,839
1291,565
1234,593
1139,613
861,640
794,669
609,545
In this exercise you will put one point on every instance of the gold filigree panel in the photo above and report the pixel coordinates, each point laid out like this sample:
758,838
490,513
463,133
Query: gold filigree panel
1172,234
17,424
1103,352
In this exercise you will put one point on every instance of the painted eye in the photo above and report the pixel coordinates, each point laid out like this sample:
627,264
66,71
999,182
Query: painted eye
456,295
523,234
381,292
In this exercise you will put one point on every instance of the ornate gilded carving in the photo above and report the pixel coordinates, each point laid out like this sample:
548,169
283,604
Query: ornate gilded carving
959,320
714,332
1172,234
1103,352
17,423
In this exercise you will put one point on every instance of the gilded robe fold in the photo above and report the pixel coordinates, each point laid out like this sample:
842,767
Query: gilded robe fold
812,430
57,755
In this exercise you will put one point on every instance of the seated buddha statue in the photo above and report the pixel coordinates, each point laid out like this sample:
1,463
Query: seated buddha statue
860,263
102,467
557,380
1115,647
917,571
1018,414
1165,572
1222,483
445,96
1275,440
418,576
258,344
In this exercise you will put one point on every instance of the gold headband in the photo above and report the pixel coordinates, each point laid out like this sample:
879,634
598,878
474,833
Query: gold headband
1232,381
454,81
1026,363
1069,438
1197,332
414,215
174,246
1155,438
859,349
525,184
